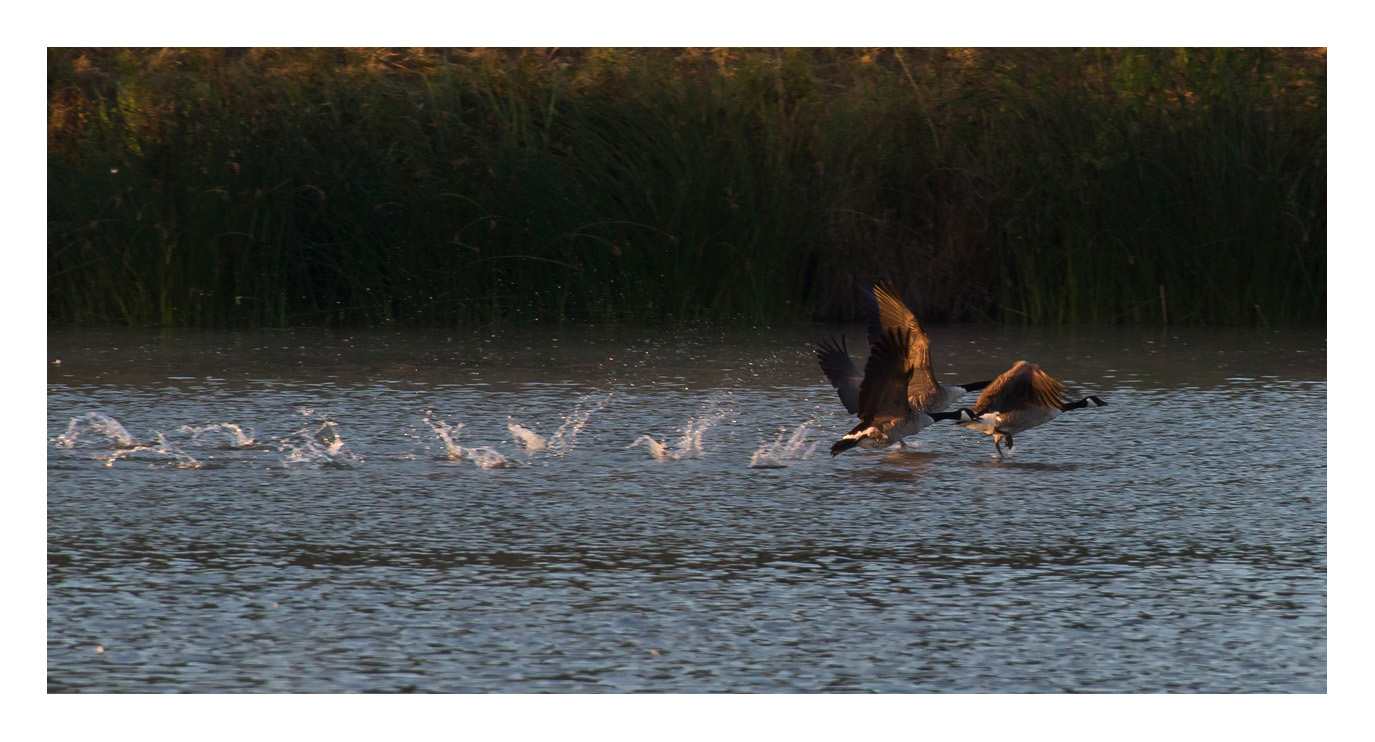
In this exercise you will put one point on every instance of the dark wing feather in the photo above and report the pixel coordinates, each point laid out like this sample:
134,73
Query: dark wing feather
883,392
873,323
892,313
841,371
1024,386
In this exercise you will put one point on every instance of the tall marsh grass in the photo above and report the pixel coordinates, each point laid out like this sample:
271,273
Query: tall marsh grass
273,187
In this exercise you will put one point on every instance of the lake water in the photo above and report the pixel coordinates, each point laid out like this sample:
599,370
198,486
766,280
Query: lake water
644,510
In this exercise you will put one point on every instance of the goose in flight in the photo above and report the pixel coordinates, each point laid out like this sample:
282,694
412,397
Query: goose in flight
886,413
885,311
1020,399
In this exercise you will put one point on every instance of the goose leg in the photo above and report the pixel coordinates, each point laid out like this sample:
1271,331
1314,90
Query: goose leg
998,444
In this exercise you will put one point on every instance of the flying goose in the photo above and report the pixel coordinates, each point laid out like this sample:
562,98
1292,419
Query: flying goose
886,413
1022,398
885,311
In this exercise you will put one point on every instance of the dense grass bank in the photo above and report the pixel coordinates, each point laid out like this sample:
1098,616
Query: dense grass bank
271,187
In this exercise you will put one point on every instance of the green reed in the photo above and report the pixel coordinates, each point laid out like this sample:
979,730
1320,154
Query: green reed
274,187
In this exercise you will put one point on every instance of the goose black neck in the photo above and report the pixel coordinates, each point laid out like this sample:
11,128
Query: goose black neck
1085,402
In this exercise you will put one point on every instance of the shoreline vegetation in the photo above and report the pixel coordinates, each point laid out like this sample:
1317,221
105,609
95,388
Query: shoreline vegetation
240,188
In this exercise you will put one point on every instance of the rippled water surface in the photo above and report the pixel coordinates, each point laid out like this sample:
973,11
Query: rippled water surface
598,510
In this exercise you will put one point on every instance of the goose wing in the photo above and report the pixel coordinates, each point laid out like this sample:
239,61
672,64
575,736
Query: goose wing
873,323
1024,386
883,392
892,313
841,371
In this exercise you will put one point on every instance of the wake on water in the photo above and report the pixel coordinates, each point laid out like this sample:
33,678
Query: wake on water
320,443
96,432
163,450
111,432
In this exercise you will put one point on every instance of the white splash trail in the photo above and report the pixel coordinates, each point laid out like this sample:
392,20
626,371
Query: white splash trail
657,450
780,453
528,438
485,457
563,438
237,437
688,447
181,458
323,446
111,428
448,435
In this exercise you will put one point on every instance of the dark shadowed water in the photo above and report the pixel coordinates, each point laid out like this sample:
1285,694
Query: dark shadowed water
302,511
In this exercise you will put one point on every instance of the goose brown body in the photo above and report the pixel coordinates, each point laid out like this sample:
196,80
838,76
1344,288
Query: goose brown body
1020,399
886,414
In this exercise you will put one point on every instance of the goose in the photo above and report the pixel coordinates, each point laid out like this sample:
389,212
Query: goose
885,311
886,413
1020,399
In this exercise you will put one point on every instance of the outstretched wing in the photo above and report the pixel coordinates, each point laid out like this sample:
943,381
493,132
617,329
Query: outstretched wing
873,324
841,371
1024,386
923,391
883,392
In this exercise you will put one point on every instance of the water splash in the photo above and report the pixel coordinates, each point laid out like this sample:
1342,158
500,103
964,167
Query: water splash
780,453
179,458
485,457
657,450
688,447
105,425
448,435
321,445
528,438
238,439
562,439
